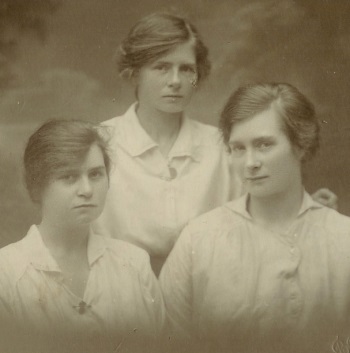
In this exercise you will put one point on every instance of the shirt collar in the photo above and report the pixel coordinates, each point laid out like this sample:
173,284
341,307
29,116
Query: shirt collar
136,140
39,256
240,205
187,142
96,247
132,136
37,253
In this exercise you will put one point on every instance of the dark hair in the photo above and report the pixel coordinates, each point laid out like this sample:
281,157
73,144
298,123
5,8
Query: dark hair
297,112
58,143
154,36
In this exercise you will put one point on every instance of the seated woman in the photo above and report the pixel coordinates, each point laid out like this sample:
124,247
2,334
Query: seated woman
269,272
62,280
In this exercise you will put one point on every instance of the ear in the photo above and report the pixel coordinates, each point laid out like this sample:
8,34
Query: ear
134,77
299,153
128,74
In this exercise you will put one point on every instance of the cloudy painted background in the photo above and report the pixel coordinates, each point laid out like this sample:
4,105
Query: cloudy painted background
57,60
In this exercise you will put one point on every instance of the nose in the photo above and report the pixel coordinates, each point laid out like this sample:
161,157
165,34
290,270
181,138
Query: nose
252,161
174,79
85,187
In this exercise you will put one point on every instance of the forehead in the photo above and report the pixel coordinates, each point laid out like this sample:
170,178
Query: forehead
263,124
181,53
92,158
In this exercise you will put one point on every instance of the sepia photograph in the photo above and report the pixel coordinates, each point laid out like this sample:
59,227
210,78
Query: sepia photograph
174,176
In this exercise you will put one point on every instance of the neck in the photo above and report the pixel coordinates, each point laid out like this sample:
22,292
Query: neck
162,127
278,211
63,239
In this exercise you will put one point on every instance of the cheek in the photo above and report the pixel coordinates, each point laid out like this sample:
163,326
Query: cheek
238,165
102,189
285,164
189,88
55,203
148,81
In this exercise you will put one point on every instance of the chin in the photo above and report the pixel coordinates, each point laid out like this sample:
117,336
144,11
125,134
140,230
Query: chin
172,109
86,220
261,193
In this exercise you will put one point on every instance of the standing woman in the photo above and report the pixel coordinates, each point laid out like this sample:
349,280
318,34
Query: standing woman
62,280
170,168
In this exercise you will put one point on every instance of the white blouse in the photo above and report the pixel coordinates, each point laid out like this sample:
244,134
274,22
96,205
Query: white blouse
151,198
233,281
122,296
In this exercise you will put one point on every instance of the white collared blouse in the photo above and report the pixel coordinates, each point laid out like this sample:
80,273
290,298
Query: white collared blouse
122,295
231,280
151,198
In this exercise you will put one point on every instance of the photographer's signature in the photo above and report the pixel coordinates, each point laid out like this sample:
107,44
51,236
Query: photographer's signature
341,345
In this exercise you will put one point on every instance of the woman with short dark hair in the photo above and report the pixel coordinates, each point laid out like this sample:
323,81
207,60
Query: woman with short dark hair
269,272
171,168
62,280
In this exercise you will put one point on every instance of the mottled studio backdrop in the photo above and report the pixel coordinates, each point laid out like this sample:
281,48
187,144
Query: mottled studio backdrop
57,61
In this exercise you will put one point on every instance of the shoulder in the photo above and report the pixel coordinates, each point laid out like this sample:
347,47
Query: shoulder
118,120
120,129
330,220
113,122
111,127
13,260
203,128
207,134
13,250
114,125
329,227
215,223
333,229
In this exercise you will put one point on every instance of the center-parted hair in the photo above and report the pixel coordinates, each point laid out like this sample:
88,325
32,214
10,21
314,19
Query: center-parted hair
297,112
57,144
154,36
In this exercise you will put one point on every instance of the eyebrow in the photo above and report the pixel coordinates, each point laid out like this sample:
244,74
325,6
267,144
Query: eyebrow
161,61
256,140
69,169
263,138
100,167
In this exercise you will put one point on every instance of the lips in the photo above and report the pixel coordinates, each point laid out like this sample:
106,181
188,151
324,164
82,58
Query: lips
172,96
85,206
255,178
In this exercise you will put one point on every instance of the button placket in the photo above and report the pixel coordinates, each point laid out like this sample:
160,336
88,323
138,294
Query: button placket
294,297
169,196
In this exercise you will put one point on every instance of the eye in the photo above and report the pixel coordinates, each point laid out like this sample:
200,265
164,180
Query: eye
97,174
189,69
69,178
161,67
237,149
263,145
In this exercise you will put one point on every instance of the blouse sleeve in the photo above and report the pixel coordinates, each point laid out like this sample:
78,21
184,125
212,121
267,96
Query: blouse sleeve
6,287
176,285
